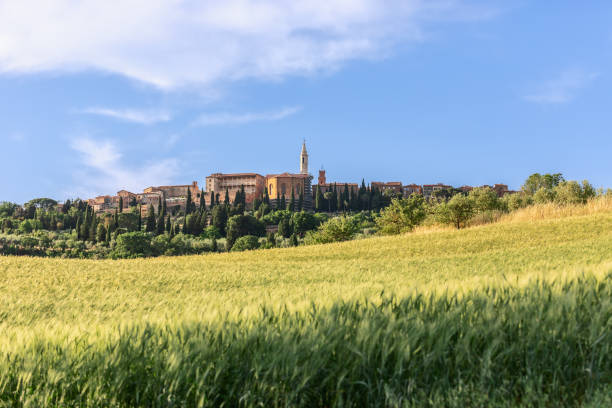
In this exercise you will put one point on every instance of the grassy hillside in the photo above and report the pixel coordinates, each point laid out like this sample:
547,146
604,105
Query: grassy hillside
467,323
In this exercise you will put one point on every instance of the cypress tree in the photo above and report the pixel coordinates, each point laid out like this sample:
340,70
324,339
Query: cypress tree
92,229
185,227
226,201
100,233
139,218
301,202
278,201
283,203
202,201
242,195
318,199
188,202
292,201
78,227
266,197
150,224
108,235
168,225
212,199
121,204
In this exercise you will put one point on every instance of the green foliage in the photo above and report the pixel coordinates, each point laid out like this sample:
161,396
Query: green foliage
571,192
8,209
336,229
457,211
402,215
484,199
241,225
45,203
219,218
133,245
150,224
538,181
245,243
302,222
212,232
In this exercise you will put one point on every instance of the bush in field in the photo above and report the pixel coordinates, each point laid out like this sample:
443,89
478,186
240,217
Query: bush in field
133,245
246,243
543,196
457,211
402,215
336,229
513,202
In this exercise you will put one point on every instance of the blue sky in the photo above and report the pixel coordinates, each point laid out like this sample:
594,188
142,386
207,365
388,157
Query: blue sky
93,100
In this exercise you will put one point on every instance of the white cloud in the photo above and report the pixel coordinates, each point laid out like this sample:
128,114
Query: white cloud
563,88
210,119
105,173
185,42
145,117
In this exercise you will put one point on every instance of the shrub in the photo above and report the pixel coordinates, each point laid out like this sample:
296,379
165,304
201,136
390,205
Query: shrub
245,243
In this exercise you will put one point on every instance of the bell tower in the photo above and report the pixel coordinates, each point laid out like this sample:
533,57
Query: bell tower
304,159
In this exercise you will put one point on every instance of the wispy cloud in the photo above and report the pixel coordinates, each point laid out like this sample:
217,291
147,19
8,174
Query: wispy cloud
177,43
145,117
561,89
224,118
104,172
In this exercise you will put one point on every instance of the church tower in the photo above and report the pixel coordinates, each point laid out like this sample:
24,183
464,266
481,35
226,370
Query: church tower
304,159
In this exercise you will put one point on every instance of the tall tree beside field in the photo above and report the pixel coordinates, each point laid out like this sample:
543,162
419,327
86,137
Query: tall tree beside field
402,215
266,197
150,223
485,199
212,199
120,203
283,203
538,181
300,204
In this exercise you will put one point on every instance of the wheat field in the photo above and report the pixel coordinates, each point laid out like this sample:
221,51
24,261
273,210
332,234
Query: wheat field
516,313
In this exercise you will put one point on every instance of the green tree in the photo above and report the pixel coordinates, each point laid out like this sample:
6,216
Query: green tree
133,245
241,225
120,204
292,201
188,202
283,203
537,181
150,223
485,199
226,201
303,222
202,201
284,227
219,218
457,211
101,233
402,215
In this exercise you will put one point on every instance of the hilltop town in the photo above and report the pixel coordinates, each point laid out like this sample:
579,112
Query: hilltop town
278,188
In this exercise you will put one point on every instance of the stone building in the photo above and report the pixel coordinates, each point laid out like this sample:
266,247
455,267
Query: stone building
217,183
429,189
283,184
394,186
410,189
